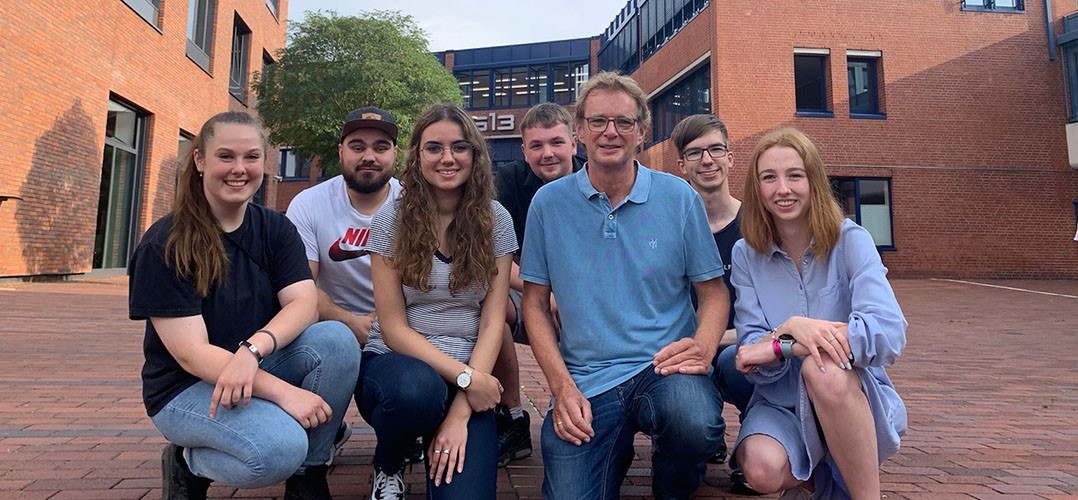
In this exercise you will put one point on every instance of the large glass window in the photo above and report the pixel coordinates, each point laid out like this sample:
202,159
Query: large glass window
293,167
241,45
862,73
997,5
689,96
867,201
200,32
1070,62
119,195
810,81
146,9
522,86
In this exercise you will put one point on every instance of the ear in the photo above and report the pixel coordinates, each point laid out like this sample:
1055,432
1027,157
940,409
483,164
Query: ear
572,142
199,160
681,165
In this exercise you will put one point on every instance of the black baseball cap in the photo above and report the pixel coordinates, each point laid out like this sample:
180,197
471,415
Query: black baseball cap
370,117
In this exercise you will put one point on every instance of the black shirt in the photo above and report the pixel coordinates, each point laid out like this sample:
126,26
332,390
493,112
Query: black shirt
725,239
265,255
516,185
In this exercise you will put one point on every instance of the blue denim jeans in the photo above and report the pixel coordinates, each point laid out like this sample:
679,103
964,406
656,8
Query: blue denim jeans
403,398
260,444
732,385
681,413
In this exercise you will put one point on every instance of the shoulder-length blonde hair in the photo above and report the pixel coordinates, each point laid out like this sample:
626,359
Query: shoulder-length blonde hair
469,236
824,215
193,247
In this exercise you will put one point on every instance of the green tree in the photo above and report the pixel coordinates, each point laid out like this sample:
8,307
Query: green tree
334,64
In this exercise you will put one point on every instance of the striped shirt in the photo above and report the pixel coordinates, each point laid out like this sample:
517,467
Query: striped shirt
448,321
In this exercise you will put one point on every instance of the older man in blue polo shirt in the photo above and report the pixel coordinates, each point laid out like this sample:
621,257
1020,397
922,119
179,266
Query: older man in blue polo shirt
621,245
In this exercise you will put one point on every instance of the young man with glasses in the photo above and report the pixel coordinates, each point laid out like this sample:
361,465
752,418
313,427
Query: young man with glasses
619,245
703,145
549,147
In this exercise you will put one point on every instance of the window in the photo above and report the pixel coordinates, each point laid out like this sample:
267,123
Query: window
146,9
994,5
687,97
272,5
641,29
867,201
200,32
862,70
810,82
293,167
183,148
237,75
119,195
521,86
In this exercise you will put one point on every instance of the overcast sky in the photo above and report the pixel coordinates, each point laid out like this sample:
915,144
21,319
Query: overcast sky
465,24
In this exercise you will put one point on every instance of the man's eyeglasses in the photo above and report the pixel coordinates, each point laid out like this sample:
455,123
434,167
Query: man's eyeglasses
435,151
622,124
696,154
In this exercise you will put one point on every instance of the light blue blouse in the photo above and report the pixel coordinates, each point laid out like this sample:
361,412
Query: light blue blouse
849,285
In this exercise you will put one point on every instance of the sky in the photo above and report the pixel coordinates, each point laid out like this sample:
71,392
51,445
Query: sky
466,24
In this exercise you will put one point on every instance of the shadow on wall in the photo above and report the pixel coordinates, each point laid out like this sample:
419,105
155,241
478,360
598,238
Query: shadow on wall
167,178
56,217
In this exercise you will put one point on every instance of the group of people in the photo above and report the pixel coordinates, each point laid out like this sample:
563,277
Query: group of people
409,296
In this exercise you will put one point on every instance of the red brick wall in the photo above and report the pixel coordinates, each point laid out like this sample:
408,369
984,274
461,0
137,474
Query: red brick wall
974,139
63,64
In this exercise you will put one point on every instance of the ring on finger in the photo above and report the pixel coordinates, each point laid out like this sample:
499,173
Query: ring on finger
437,452
445,451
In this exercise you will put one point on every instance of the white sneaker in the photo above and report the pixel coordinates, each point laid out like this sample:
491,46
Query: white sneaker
797,493
388,487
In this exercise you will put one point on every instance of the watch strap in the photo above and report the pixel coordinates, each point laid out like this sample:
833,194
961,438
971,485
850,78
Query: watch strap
254,350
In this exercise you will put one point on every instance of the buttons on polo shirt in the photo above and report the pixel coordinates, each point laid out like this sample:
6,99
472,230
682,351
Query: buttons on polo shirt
611,216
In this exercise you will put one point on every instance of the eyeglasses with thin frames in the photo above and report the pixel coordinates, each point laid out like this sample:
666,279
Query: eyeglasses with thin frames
459,150
622,124
696,154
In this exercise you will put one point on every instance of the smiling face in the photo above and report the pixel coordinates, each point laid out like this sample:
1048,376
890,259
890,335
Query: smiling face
784,186
707,173
448,171
231,166
367,156
549,151
609,148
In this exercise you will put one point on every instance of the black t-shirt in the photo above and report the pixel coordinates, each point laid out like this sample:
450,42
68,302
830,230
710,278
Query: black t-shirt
265,255
725,239
516,185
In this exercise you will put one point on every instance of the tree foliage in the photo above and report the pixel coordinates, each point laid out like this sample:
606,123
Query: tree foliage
334,64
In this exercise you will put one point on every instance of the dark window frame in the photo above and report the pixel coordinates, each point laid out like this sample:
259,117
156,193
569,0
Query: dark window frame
857,212
824,109
200,16
555,75
148,10
870,110
302,170
240,62
1019,6
665,112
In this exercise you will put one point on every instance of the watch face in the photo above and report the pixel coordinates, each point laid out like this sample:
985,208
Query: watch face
463,380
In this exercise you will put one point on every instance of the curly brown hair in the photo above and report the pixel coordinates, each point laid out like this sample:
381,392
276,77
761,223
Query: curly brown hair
469,236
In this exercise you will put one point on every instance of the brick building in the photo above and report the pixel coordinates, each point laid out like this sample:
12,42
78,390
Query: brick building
944,124
99,100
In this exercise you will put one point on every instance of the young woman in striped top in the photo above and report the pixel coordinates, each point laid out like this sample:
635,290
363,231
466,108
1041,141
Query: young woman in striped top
440,265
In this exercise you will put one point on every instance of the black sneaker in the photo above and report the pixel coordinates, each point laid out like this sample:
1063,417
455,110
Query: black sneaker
514,435
311,485
178,482
740,486
415,454
720,456
343,433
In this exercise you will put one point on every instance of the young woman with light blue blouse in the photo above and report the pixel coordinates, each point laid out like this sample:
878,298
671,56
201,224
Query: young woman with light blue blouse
817,322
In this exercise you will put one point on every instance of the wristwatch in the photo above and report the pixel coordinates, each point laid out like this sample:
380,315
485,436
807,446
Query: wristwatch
464,378
254,350
786,343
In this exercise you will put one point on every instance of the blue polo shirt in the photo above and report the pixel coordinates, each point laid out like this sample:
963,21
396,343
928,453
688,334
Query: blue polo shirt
621,274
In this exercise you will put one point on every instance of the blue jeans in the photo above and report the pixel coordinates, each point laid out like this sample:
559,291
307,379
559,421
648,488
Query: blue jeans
732,385
681,413
260,444
403,398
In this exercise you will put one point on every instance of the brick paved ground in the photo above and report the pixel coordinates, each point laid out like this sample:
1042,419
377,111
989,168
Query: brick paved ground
989,376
